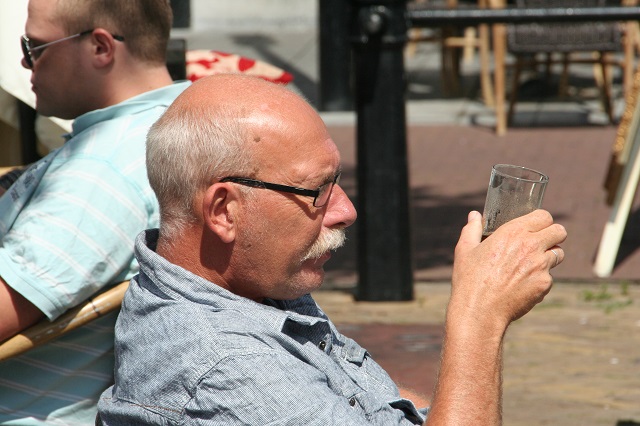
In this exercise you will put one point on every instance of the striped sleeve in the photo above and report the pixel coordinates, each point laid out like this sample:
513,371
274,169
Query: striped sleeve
77,234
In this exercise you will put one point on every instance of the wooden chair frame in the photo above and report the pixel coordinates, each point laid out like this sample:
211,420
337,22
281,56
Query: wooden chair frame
630,45
451,43
45,330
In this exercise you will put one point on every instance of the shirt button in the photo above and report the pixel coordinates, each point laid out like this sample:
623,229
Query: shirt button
322,345
352,401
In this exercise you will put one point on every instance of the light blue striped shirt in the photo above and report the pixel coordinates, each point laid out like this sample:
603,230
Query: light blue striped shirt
68,227
189,352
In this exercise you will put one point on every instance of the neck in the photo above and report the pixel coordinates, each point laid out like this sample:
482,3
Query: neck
194,251
137,83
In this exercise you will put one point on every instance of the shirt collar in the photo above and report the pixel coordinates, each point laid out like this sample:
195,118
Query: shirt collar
151,99
184,284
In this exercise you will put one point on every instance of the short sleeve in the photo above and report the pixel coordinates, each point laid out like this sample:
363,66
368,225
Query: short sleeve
76,234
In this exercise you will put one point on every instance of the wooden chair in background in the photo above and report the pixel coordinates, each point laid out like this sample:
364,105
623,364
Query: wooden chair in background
456,45
528,42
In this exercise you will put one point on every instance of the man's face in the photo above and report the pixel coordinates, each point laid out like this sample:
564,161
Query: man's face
57,74
279,229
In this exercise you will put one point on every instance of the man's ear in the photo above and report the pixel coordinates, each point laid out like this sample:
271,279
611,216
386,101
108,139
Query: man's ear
103,45
219,208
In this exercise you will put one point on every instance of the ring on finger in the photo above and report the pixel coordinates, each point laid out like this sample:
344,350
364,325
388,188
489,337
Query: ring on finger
557,257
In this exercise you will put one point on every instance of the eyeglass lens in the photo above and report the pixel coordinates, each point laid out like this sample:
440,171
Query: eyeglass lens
324,193
26,51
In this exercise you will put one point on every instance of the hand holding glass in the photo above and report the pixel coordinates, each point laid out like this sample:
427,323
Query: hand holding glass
513,192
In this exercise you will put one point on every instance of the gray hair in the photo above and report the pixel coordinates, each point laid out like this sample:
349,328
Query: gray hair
188,148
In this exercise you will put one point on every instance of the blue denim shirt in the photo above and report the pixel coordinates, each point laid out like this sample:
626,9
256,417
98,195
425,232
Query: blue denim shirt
192,353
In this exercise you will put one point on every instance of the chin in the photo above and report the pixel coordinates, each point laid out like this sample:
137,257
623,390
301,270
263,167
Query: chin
307,282
316,280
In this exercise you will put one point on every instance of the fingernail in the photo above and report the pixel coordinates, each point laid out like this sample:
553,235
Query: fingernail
474,215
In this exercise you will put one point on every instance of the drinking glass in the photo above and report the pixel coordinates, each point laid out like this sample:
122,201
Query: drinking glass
513,191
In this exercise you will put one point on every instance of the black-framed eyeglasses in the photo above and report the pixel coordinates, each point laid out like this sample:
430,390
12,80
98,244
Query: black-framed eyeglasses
32,53
320,196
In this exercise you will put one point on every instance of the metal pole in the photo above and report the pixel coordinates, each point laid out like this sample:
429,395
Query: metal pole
181,13
384,246
335,56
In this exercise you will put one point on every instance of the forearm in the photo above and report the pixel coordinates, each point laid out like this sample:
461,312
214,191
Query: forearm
493,284
8,175
469,386
16,312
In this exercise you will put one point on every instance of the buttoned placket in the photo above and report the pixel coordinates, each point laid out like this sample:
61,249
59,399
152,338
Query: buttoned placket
325,344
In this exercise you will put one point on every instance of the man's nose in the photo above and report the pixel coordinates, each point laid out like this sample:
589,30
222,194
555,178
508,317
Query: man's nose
340,211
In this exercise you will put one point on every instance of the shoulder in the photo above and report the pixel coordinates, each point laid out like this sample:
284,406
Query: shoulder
126,121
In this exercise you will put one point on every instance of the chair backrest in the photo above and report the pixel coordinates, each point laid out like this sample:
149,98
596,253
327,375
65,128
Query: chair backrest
559,3
563,36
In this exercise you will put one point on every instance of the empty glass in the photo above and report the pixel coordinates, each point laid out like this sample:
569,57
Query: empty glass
513,191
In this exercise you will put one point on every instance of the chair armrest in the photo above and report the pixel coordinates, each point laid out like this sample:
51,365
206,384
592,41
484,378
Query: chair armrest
45,330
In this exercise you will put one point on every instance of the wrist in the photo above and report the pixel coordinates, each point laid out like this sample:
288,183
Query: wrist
468,323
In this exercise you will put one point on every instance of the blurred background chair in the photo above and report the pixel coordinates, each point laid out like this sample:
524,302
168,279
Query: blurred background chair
532,45
458,45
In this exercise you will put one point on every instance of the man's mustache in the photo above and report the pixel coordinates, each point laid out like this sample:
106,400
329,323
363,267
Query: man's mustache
330,239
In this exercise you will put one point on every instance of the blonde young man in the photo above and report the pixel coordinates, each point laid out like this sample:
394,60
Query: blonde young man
219,327
67,225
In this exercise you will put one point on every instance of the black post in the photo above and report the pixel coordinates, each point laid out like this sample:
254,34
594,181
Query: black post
181,13
384,246
177,58
335,56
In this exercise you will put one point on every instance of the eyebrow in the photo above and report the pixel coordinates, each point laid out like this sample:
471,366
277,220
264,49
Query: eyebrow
331,177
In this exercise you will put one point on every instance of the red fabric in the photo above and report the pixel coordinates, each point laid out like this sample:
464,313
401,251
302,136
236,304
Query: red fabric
201,63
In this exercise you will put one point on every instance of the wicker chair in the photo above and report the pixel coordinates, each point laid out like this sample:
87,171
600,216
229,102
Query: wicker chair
528,42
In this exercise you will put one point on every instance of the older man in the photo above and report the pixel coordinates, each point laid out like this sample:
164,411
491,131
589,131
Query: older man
67,226
219,326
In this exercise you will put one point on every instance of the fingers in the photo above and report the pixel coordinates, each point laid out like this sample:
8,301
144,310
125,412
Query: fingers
509,272
535,221
541,223
471,233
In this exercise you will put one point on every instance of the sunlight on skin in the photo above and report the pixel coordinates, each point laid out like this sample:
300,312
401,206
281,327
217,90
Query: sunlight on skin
419,400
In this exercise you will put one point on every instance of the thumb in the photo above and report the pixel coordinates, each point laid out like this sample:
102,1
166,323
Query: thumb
471,233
